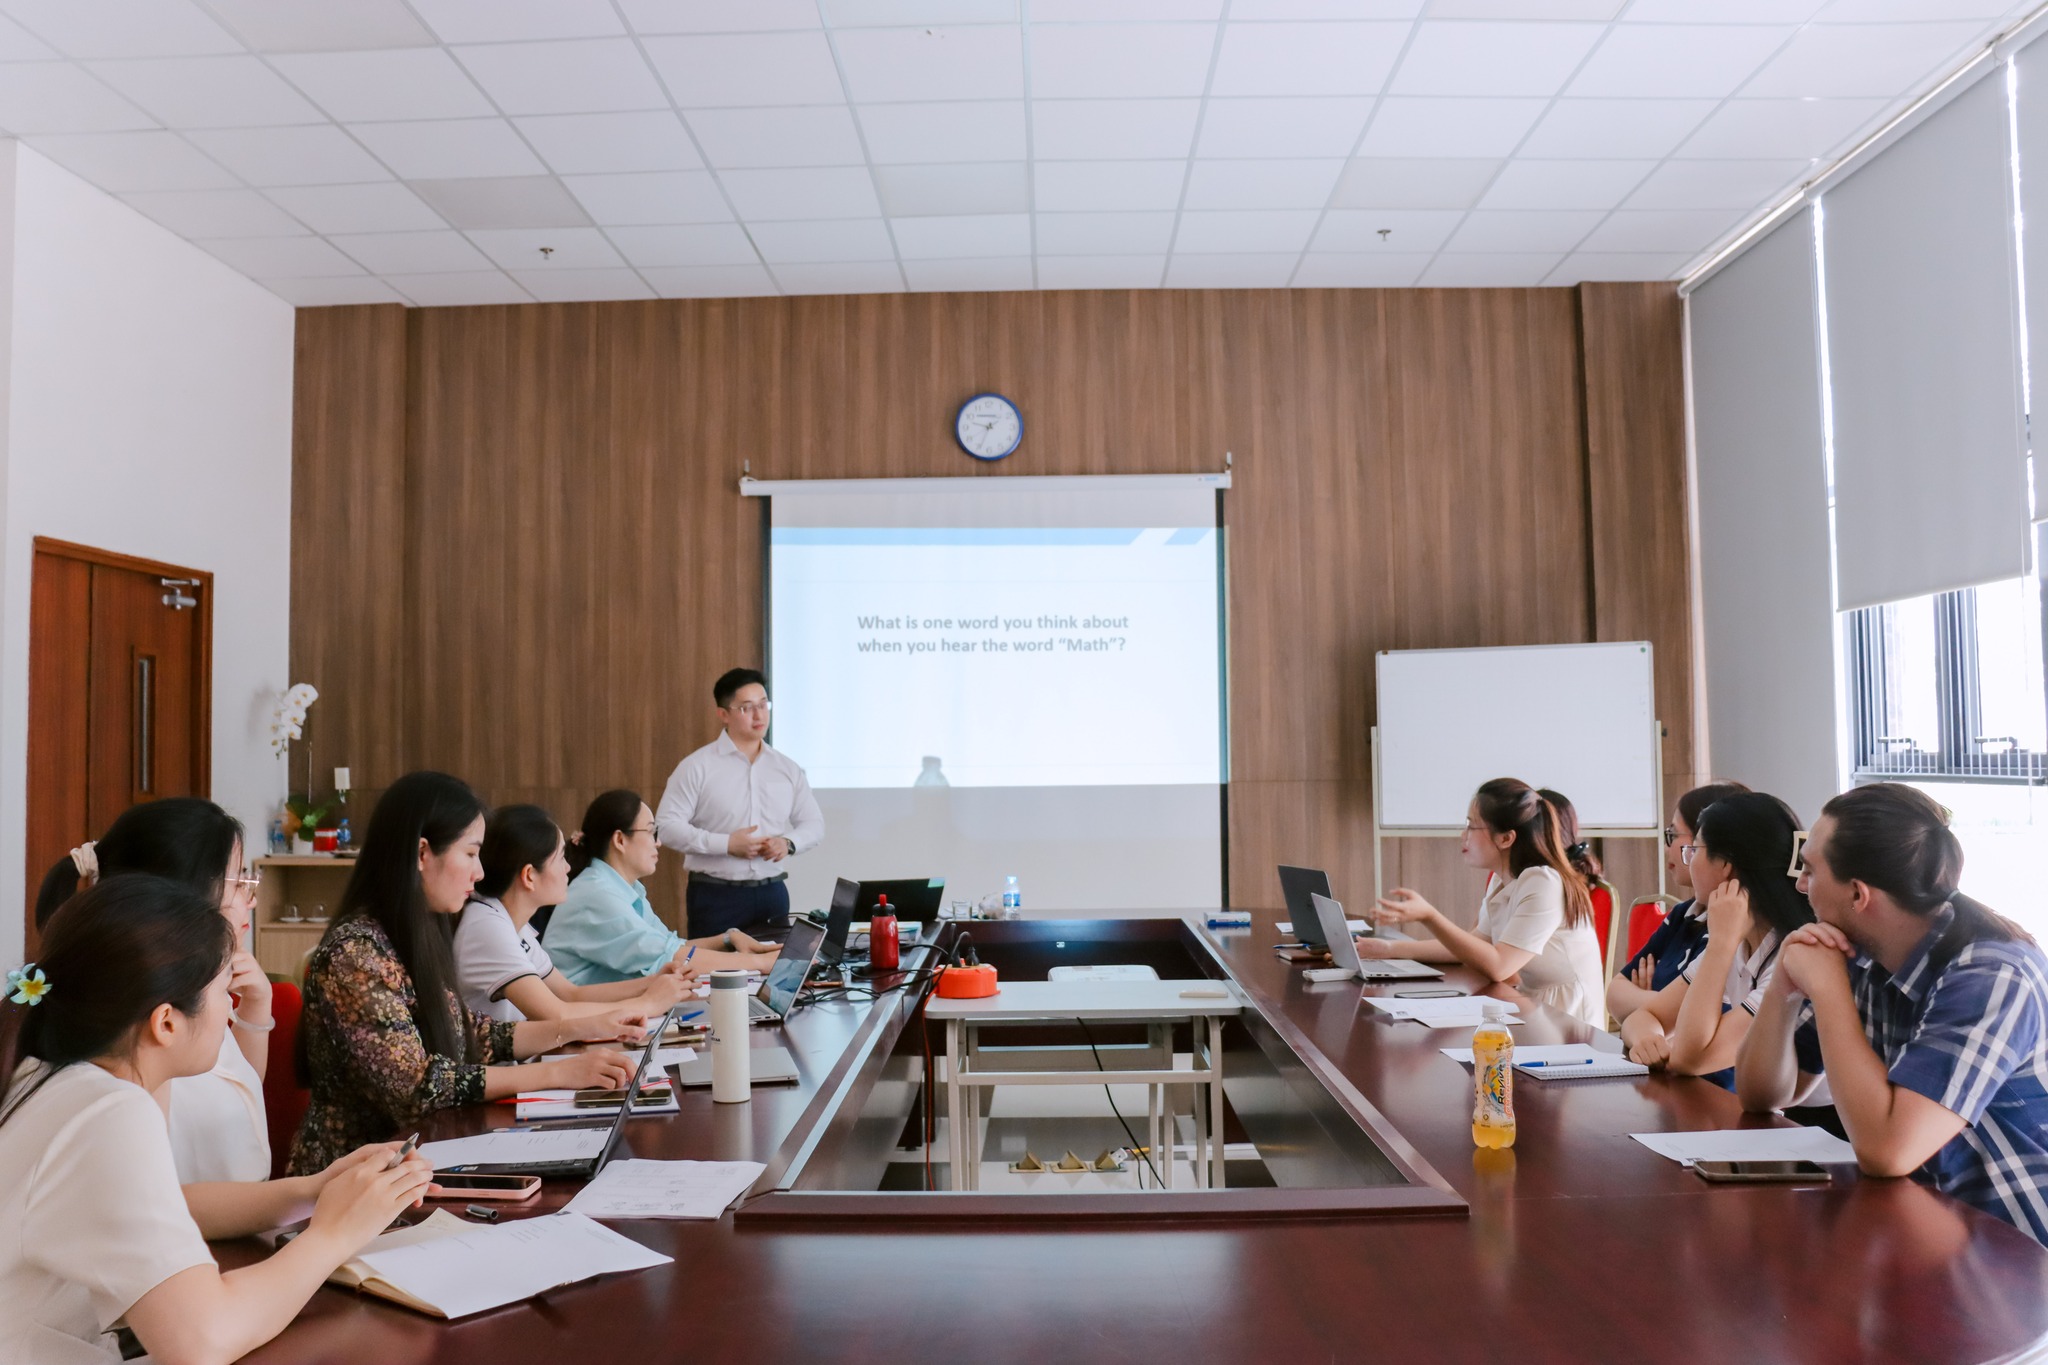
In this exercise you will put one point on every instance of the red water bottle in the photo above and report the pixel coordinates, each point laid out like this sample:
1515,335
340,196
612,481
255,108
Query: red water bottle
883,948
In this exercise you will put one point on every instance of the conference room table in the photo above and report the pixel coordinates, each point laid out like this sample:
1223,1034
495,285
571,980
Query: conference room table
1578,1244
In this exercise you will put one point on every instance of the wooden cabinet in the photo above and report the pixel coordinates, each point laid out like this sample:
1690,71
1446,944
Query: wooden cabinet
312,884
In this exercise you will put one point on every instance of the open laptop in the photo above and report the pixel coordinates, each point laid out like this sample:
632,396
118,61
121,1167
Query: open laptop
1344,953
914,898
1297,884
777,996
838,922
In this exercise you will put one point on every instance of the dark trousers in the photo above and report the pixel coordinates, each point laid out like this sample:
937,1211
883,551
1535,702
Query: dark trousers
714,907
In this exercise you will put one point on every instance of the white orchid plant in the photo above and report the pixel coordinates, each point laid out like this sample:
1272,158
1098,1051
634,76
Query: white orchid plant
288,720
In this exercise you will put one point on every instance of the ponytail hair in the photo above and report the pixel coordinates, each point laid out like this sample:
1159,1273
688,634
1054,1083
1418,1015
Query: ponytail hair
121,948
611,813
1896,838
1577,851
185,838
1508,805
515,838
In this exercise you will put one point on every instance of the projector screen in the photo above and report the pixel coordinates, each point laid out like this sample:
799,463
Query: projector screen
986,677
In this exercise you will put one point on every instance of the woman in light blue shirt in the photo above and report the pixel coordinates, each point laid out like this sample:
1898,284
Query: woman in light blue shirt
606,930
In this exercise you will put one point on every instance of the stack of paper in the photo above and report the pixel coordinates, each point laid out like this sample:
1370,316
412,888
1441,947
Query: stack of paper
440,1223
1751,1144
1356,926
1562,1062
1455,1011
480,1267
517,1144
665,1189
561,1104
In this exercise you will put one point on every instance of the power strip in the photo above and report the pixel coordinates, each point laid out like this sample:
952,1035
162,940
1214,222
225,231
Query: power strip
1328,974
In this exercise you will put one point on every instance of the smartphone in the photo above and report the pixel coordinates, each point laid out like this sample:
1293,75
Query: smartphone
1757,1172
607,1099
1429,993
513,1187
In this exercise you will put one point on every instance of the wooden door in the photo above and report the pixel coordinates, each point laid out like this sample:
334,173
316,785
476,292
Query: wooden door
120,695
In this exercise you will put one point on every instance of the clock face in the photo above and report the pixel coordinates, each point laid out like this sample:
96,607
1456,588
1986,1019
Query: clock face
989,426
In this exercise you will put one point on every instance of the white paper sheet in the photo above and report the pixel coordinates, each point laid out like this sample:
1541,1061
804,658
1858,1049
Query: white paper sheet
665,1189
485,1267
1750,1144
517,1144
1541,1052
1458,1011
1356,926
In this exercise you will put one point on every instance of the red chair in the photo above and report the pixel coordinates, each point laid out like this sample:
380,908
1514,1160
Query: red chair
284,1100
1603,921
1645,917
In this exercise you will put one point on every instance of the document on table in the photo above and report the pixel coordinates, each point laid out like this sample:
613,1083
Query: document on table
487,1267
561,1104
440,1223
665,1189
1750,1144
1561,1061
1458,1011
518,1144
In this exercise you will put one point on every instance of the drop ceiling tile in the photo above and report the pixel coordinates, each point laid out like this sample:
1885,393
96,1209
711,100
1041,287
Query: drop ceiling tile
721,70
583,76
1105,234
1530,184
1523,230
1110,11
1103,186
1494,59
905,13
1780,129
1885,60
322,25
820,135
852,239
999,273
1722,11
1357,231
1307,59
968,236
1717,184
1282,127
1474,271
89,29
318,155
462,289
217,213
851,278
920,191
824,192
1213,232
209,92
599,144
511,21
17,44
651,197
356,208
1601,10
56,97
1091,130
1616,266
1100,272
719,16
582,286
1119,61
327,293
956,63
526,249
502,201
1616,128
449,149
1408,126
710,281
1907,11
413,253
1249,271
123,162
1274,11
1360,270
693,244
1414,182
364,87
1262,184
1677,60
281,258
1661,231
991,130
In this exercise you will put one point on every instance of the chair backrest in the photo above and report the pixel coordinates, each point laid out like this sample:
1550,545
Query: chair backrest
284,1101
1645,917
1603,921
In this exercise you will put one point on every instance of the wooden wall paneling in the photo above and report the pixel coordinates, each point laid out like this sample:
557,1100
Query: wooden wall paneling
1308,824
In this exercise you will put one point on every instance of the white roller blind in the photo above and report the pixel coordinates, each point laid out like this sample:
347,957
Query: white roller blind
1930,489
2031,118
1766,618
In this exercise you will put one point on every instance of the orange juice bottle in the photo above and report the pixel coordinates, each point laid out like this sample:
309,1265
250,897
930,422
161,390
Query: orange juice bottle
1493,1056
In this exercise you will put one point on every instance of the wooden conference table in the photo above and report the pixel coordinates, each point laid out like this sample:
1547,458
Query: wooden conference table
1580,1245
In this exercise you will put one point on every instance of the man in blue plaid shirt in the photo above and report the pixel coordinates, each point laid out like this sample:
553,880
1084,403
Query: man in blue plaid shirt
1927,1012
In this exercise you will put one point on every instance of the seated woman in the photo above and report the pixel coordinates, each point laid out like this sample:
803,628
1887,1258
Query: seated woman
132,994
1536,921
605,930
1683,933
384,1037
501,968
1742,868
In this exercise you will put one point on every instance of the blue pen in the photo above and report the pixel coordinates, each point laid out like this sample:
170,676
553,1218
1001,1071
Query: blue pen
1575,1061
691,1015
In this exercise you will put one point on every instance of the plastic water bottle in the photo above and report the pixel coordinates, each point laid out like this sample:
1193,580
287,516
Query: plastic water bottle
1013,900
279,845
1493,1077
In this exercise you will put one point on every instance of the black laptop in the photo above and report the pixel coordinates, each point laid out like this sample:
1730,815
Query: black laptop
1297,884
838,923
909,898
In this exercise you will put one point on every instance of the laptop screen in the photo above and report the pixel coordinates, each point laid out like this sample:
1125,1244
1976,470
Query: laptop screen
1297,884
786,977
838,920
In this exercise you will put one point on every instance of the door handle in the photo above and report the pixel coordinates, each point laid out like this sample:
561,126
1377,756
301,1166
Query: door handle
145,723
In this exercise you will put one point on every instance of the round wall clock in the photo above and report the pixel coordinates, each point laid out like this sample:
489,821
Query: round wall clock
988,426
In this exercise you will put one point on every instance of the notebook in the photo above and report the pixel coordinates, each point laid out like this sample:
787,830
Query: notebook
1562,1062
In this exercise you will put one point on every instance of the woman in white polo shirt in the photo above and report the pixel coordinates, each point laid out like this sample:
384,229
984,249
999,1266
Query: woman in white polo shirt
1536,922
130,994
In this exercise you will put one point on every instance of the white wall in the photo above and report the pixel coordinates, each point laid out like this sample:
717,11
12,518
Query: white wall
148,411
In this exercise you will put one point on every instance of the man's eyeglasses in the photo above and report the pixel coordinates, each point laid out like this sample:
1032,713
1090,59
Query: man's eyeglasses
752,708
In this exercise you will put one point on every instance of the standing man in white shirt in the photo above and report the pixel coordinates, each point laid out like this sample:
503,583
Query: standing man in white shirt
737,811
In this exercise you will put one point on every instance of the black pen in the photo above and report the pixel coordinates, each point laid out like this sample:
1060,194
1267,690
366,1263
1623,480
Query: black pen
403,1153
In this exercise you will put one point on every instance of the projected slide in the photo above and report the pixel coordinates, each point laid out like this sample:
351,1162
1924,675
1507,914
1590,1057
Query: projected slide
997,656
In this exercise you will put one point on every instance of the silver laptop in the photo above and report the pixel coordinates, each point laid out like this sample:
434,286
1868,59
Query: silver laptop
1344,953
779,988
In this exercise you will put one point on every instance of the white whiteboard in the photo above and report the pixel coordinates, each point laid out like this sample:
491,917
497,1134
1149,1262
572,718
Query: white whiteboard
1579,719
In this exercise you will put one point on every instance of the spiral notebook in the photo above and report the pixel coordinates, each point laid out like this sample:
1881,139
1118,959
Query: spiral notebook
1562,1062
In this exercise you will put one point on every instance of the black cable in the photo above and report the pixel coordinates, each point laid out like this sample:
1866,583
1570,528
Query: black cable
1135,1146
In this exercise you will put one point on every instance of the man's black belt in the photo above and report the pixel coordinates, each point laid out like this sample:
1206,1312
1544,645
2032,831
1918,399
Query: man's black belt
730,881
